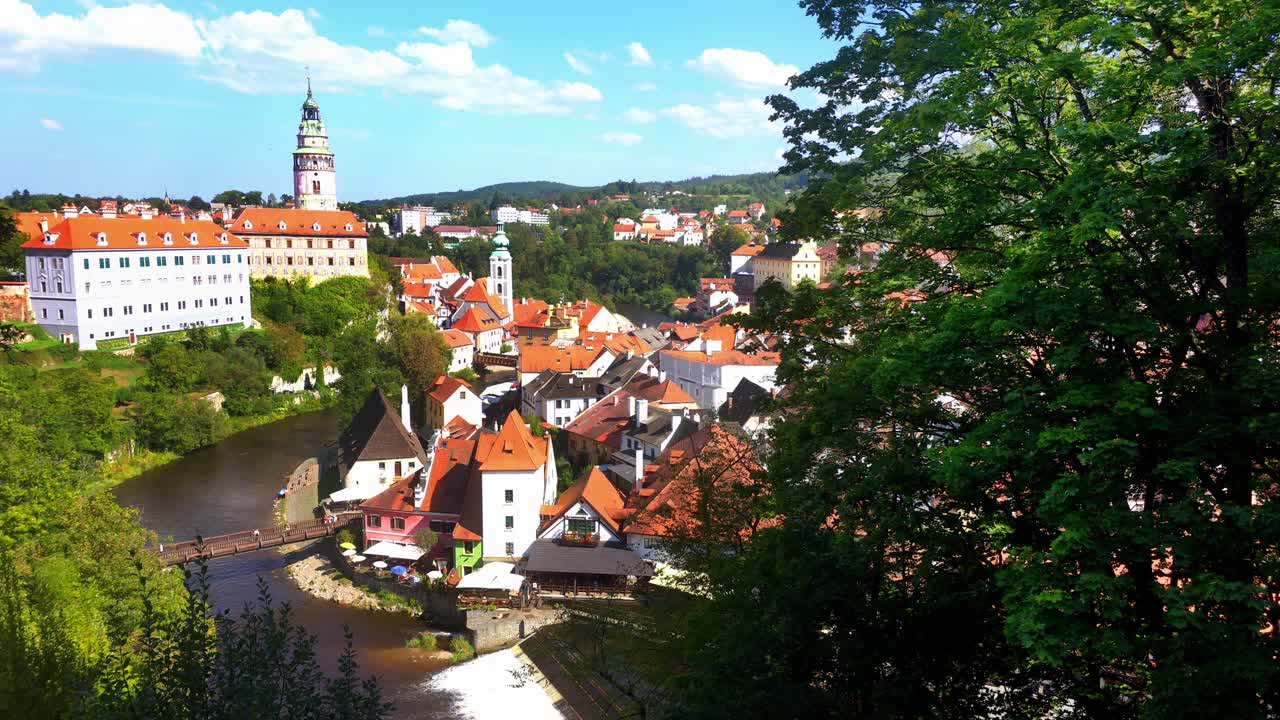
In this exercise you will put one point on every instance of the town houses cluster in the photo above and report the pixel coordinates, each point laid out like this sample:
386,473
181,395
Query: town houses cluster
108,276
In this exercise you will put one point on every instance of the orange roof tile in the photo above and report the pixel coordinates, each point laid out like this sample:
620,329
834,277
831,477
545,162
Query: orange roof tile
667,392
125,233
445,386
727,357
456,338
445,264
595,490
604,421
475,321
527,308
266,221
515,449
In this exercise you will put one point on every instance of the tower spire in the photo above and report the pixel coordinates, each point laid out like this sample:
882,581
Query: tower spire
308,80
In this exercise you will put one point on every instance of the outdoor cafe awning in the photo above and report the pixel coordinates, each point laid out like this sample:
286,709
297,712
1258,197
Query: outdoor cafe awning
355,493
394,550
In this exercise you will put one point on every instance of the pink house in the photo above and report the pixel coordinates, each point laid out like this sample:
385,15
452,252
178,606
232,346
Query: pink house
431,498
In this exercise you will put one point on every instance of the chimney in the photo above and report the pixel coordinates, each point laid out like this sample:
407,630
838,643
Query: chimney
675,424
631,406
404,407
642,412
662,376
639,468
44,224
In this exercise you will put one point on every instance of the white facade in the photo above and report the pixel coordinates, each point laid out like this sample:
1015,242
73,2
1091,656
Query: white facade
666,220
710,381
86,296
582,515
412,220
371,477
486,341
558,411
463,357
511,527
505,214
315,183
500,277
462,402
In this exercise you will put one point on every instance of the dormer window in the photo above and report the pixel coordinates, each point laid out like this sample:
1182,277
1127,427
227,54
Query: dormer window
195,238
50,238
168,239
315,226
348,227
282,225
248,225
223,239
142,239
102,239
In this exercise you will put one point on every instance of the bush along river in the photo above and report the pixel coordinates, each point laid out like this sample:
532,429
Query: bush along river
231,487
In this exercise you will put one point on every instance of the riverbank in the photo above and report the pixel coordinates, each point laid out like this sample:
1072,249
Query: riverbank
129,466
314,573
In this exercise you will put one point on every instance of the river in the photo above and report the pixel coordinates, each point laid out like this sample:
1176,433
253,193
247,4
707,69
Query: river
230,487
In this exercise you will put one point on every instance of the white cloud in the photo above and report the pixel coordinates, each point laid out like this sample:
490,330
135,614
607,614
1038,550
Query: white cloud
747,68
453,59
463,30
264,52
645,86
26,35
726,118
639,115
625,139
50,124
313,13
577,64
639,56
579,91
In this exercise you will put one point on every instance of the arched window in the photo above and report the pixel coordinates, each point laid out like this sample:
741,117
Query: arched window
348,227
195,238
315,227
142,238
282,225
102,239
315,187
248,225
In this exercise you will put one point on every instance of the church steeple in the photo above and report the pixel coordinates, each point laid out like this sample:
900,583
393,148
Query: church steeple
500,269
314,175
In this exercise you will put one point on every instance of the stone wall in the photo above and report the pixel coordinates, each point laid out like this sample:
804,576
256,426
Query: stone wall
496,629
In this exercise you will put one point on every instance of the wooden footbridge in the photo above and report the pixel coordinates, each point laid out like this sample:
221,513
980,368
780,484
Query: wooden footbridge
246,541
484,358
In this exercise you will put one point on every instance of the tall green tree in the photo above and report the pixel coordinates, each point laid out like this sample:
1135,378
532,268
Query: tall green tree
1035,447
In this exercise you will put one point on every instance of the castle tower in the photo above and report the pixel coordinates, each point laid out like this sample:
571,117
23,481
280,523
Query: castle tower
500,268
315,184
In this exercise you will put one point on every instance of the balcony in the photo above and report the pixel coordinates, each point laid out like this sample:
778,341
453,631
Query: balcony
573,538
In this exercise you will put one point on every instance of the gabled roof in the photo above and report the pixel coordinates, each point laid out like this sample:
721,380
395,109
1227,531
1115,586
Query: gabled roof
266,221
727,357
377,433
515,448
456,338
595,490
444,387
781,251
621,371
446,486
667,392
604,421
551,385
475,320
527,308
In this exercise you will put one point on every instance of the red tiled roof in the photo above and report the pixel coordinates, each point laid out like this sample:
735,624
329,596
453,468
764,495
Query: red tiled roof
751,249
667,392
124,233
475,321
444,387
456,338
266,221
515,448
525,310
727,357
595,490
737,213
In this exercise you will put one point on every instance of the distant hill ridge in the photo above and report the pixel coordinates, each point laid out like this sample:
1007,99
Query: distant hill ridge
547,189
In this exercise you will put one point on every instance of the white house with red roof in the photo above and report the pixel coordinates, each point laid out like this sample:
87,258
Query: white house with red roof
116,279
450,399
711,373
463,348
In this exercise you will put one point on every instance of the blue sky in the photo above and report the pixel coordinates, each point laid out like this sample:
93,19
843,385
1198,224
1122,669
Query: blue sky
198,97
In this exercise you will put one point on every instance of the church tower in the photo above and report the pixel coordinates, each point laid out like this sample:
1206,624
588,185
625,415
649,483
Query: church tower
315,184
500,268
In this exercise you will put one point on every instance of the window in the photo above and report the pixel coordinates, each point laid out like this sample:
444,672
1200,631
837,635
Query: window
373,520
182,304
213,302
104,263
511,549
144,262
108,312
40,263
199,303
124,262
441,526
86,263
651,542
226,259
211,259
146,307
90,313
315,187
510,522
164,306
581,525
162,261
128,309
62,315
179,260
397,523
468,547
509,497
195,259
44,313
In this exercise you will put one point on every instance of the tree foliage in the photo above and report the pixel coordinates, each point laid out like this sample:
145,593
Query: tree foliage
1034,449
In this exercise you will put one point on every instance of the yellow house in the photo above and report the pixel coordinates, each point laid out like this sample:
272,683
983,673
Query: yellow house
789,264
